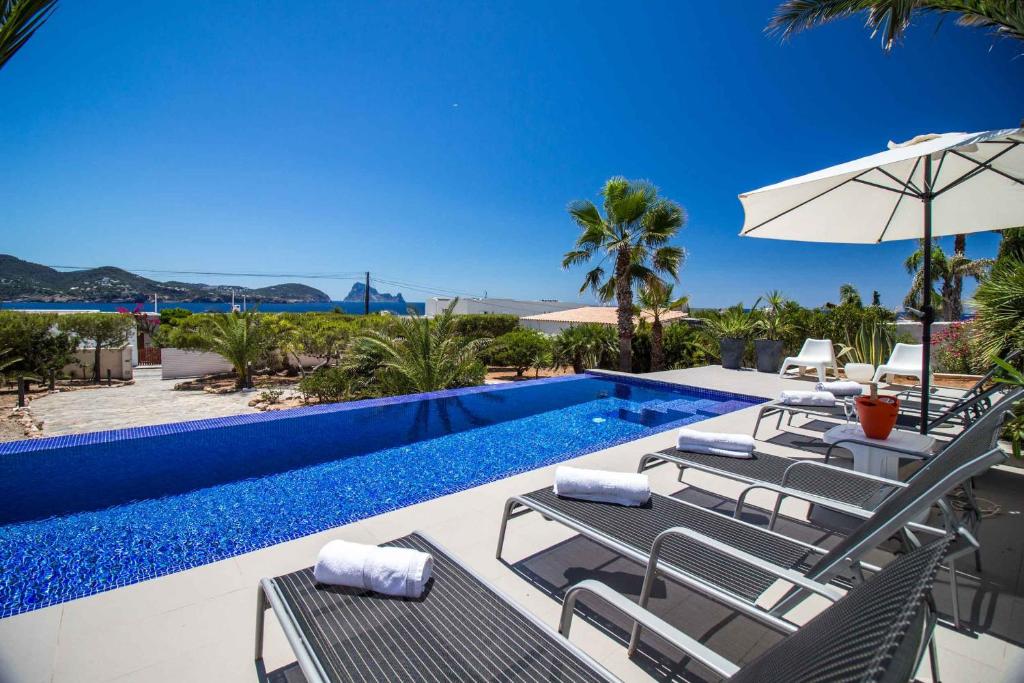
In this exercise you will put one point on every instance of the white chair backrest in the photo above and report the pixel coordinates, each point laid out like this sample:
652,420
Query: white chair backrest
906,355
820,350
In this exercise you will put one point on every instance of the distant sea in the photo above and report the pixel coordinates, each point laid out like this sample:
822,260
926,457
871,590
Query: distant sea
351,307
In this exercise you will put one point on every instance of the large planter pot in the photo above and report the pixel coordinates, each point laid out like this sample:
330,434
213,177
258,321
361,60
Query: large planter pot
877,415
732,352
769,354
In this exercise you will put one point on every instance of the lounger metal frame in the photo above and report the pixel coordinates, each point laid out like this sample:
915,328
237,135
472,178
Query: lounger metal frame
884,528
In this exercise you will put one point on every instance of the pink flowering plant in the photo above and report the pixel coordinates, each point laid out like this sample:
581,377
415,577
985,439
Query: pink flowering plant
953,349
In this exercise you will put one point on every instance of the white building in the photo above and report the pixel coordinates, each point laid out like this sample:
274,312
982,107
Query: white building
466,305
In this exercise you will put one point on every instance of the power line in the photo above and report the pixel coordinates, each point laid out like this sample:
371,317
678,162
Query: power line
353,275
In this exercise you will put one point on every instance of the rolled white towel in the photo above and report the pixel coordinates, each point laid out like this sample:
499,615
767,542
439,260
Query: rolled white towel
620,488
715,443
840,388
808,398
402,572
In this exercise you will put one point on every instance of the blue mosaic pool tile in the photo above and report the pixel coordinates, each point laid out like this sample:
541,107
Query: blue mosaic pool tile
91,512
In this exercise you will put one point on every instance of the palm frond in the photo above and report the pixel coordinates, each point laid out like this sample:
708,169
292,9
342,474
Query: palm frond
19,20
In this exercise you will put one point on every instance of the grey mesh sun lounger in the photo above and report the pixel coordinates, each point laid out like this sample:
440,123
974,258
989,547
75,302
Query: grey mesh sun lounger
876,632
736,562
461,629
818,482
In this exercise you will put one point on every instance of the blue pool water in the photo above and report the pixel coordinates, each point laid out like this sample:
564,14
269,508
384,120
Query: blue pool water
87,513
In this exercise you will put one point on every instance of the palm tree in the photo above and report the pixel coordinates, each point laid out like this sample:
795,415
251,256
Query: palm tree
421,354
950,271
656,298
849,296
242,338
634,232
19,19
1000,302
892,17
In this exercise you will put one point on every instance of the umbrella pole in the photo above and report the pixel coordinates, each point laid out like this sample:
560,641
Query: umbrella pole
926,290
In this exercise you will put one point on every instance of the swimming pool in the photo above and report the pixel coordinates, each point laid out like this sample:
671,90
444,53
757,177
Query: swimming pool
86,513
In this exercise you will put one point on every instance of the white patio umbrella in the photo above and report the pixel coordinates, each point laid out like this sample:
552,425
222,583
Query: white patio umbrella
931,186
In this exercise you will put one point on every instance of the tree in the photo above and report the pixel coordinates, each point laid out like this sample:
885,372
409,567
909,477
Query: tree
876,298
322,336
102,329
950,271
1012,244
849,296
420,355
585,346
634,232
1000,303
892,17
520,349
242,338
656,298
19,19
34,339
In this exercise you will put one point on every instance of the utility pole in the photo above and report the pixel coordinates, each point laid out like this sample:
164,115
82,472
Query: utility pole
366,295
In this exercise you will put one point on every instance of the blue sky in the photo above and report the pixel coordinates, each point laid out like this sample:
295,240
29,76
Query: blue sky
439,144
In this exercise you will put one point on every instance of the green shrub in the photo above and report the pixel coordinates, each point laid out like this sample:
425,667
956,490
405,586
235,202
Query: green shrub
684,347
41,349
330,385
587,346
485,325
520,349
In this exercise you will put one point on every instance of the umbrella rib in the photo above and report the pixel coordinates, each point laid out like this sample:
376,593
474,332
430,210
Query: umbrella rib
890,189
898,200
981,167
797,206
909,183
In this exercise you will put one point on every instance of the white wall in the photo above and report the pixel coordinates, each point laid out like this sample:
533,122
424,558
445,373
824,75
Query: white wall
118,361
916,330
178,364
436,305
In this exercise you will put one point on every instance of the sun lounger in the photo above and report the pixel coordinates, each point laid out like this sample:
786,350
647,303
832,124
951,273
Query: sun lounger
819,354
878,631
820,479
461,629
700,548
905,359
464,629
910,399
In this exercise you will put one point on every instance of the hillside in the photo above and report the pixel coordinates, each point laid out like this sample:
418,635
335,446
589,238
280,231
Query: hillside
26,281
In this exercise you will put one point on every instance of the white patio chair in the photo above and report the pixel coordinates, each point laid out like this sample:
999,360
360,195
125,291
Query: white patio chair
904,360
816,353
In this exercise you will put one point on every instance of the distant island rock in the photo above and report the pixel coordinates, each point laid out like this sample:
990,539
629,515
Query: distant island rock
25,281
358,293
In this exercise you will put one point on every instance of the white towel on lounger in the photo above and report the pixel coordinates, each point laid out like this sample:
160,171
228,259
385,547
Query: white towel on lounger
402,572
715,443
808,398
620,488
841,388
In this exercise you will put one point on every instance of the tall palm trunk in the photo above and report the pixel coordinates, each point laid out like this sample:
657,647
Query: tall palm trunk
657,345
954,306
624,297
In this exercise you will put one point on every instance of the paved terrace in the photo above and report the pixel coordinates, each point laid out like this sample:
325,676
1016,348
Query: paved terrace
197,625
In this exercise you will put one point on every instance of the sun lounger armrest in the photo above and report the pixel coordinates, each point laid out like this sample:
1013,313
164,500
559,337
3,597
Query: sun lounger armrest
915,455
844,470
788,575
671,634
